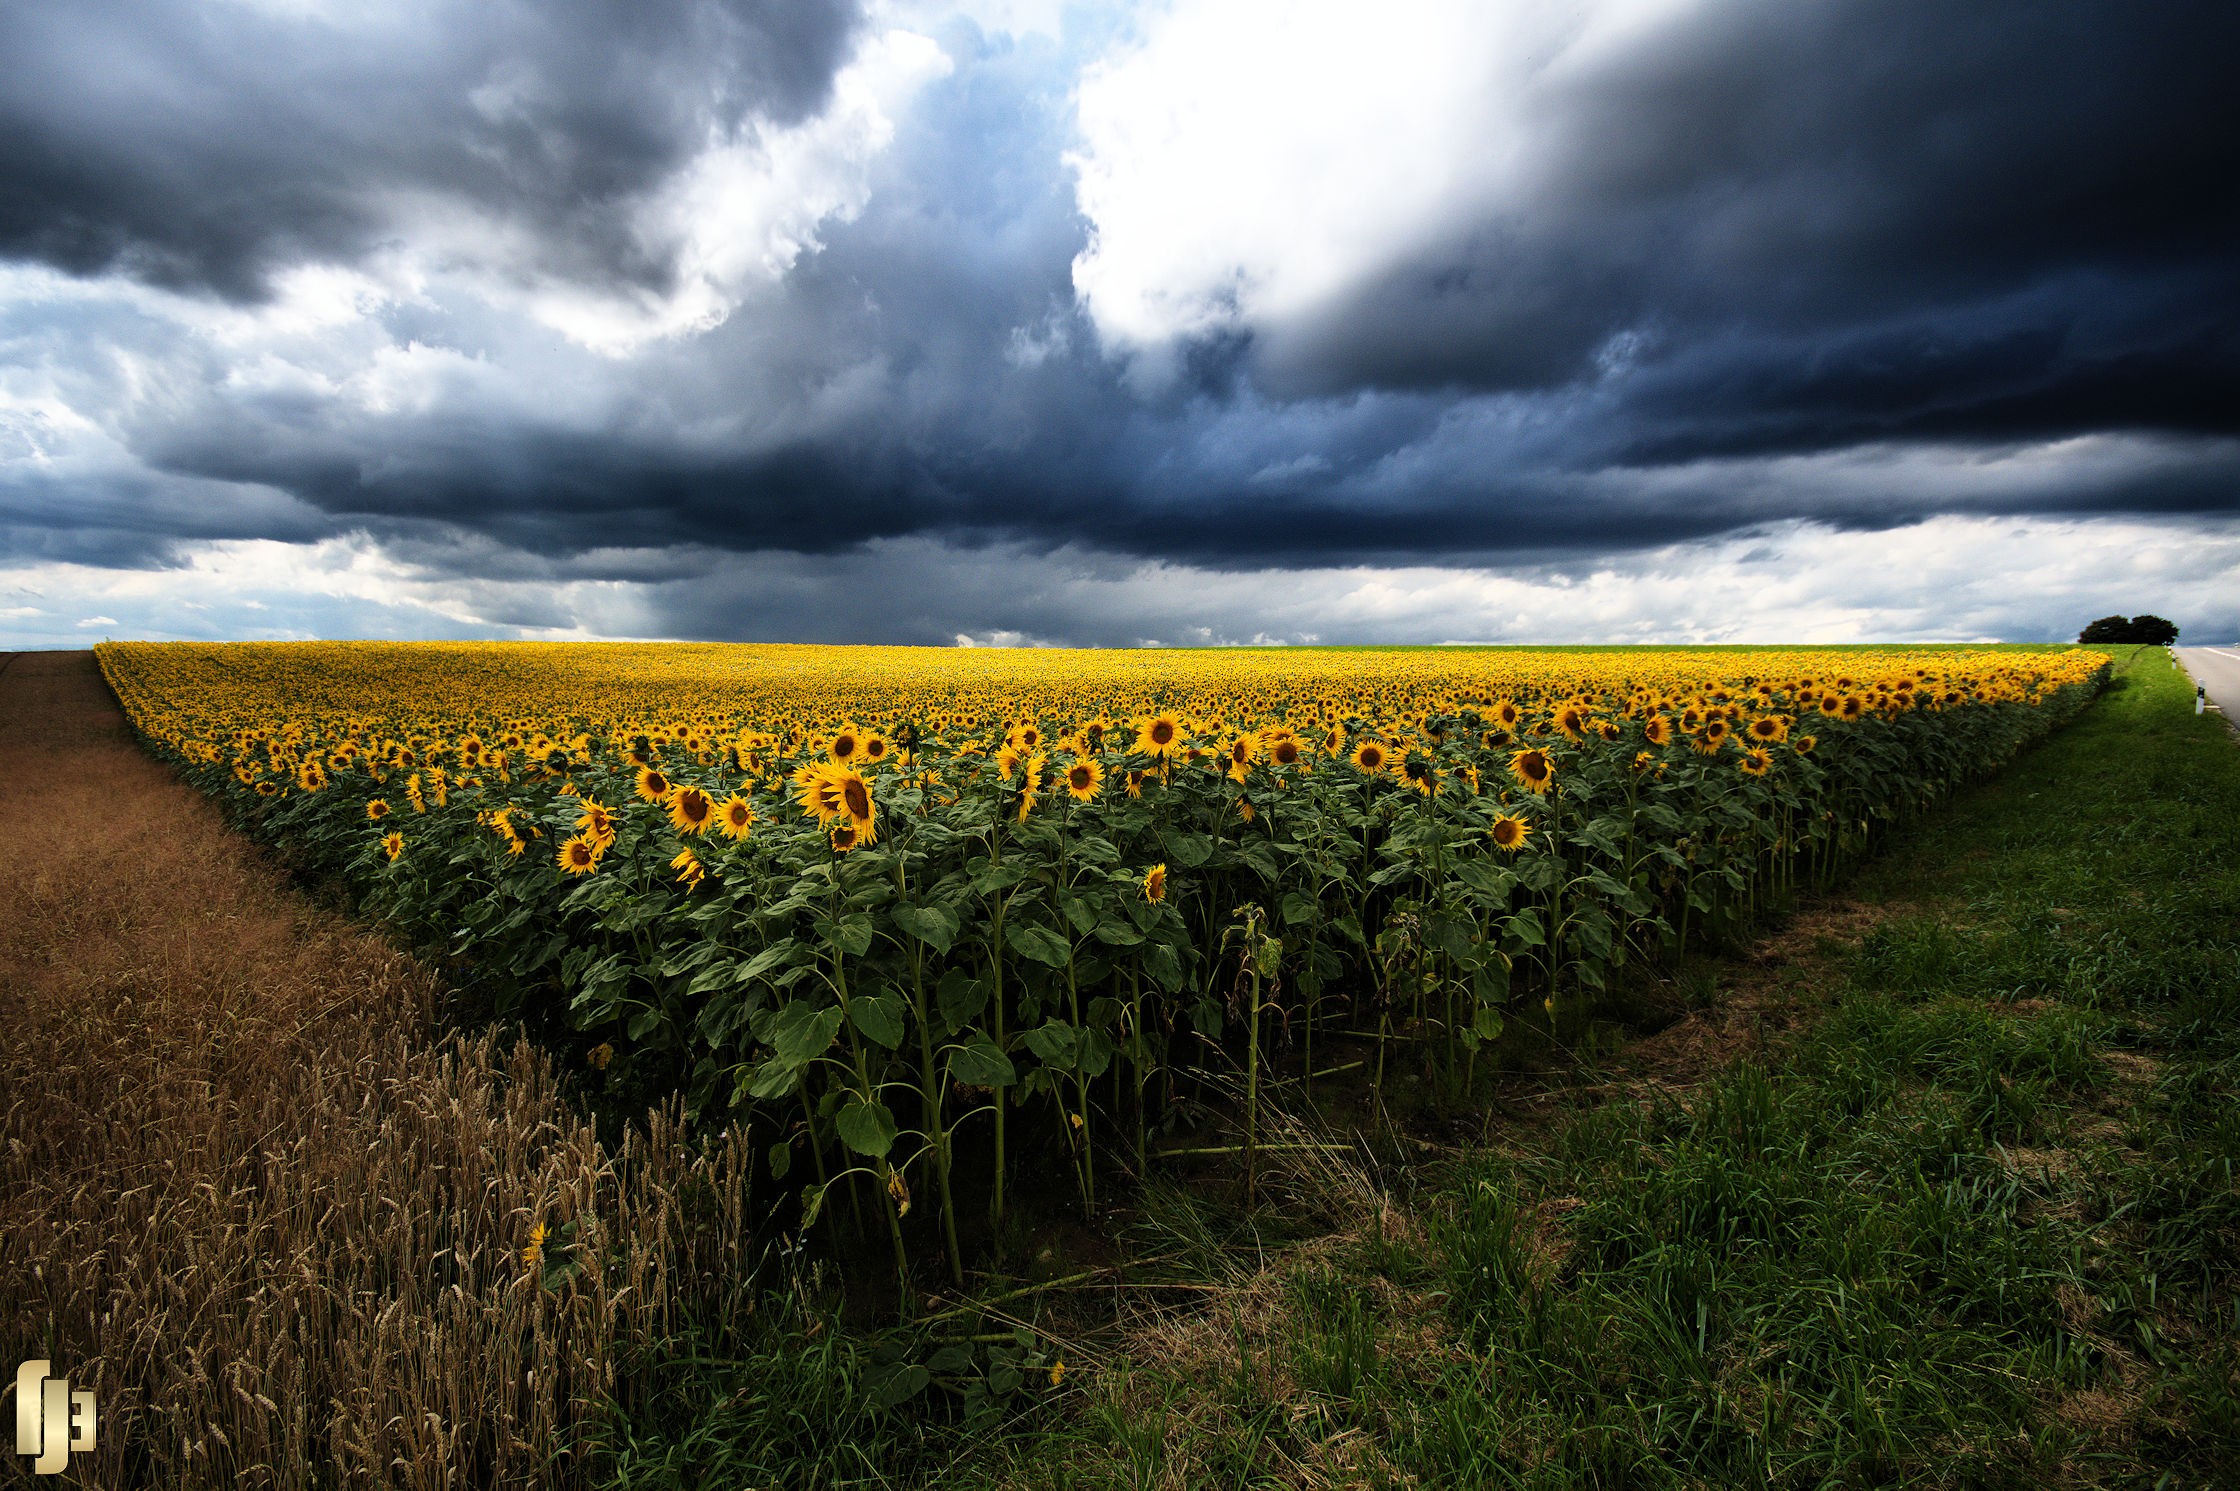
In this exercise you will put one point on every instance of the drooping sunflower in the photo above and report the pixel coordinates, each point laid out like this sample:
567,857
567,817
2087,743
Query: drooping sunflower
1419,772
1369,757
735,816
1533,769
579,855
691,810
653,784
1509,832
690,872
595,822
1084,779
1155,884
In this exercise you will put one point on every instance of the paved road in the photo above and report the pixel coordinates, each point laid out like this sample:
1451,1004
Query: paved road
2216,669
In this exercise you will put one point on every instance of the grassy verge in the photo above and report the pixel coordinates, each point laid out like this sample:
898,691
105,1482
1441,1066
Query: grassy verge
1954,1206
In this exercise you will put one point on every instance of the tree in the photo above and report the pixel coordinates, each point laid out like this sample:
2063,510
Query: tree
2148,628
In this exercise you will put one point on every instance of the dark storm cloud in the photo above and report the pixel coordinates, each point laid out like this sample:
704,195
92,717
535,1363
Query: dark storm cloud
202,146
1754,274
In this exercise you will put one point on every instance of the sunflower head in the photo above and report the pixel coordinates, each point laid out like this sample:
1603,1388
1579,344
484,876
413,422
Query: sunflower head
376,810
1509,832
579,855
735,816
691,810
653,784
1533,768
1084,778
1160,735
1155,884
1370,757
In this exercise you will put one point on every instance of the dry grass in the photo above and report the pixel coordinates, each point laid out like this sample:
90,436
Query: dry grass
248,1196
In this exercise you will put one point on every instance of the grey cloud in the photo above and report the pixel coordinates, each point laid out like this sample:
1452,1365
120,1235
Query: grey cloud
204,146
1819,263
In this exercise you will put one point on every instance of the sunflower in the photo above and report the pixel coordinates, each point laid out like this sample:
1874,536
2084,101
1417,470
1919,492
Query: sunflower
376,810
846,744
844,837
1509,832
1084,779
1031,785
1533,769
392,844
311,776
691,810
579,855
1756,761
1159,736
653,784
690,872
1285,752
1334,741
1656,729
1135,783
735,815
1419,772
595,822
268,788
1369,757
1768,729
1508,714
1806,744
1155,884
875,748
1239,754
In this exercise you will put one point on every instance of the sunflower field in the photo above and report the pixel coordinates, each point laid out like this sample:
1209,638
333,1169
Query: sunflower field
941,923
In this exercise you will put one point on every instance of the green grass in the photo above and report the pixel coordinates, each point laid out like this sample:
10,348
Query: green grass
1972,1222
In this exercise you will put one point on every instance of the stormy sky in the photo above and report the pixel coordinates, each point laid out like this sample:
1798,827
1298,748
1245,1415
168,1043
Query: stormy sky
1012,321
